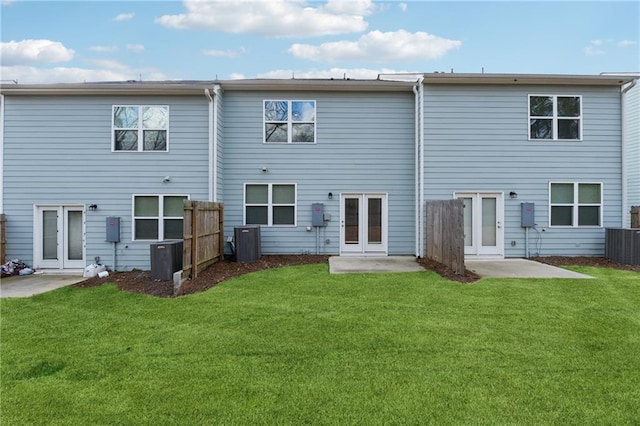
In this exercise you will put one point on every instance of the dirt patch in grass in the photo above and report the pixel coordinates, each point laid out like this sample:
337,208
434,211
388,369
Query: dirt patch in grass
140,281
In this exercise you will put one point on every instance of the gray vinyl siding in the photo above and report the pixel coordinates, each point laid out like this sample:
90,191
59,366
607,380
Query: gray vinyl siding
476,139
632,122
365,143
57,150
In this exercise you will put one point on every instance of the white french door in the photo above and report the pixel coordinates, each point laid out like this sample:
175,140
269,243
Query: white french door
483,223
59,237
363,223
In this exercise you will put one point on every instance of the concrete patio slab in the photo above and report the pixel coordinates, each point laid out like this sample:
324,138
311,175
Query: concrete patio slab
518,268
373,264
29,285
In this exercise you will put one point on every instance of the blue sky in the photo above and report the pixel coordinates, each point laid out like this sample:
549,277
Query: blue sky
76,41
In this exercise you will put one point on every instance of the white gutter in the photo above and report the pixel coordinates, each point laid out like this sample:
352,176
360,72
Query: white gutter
418,90
1,153
626,217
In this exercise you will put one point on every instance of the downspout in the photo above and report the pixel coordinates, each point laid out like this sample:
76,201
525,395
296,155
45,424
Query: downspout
626,221
1,153
419,166
422,156
213,146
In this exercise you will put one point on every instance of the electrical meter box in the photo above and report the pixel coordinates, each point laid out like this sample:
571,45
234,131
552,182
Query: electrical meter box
113,229
527,215
317,214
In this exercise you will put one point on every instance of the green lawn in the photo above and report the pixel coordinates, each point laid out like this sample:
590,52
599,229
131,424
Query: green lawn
299,346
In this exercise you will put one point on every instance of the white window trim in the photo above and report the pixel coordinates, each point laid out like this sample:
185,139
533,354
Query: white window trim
576,205
554,118
138,128
290,122
160,216
270,204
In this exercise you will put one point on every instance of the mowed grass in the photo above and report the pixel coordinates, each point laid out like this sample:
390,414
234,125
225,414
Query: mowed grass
299,346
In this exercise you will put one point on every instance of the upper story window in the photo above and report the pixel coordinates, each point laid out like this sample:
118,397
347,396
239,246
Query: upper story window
140,128
553,117
158,217
269,204
289,121
575,204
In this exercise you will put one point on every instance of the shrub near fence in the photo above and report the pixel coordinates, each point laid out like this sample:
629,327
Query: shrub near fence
203,236
445,233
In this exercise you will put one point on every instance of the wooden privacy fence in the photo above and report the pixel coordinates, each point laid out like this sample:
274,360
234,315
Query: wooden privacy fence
203,236
635,217
445,233
3,238
622,245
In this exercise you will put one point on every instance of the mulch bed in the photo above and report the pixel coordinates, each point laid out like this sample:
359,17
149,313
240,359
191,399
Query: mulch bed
140,281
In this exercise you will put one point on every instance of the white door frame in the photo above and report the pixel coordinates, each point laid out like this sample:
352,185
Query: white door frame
478,248
62,223
363,246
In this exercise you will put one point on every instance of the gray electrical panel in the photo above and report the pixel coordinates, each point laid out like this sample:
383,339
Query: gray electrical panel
113,229
317,214
527,215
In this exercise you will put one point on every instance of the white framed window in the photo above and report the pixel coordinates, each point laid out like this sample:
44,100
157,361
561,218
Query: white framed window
158,217
575,204
140,128
270,204
288,121
555,117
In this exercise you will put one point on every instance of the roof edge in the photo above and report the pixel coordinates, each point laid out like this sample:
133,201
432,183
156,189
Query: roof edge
529,79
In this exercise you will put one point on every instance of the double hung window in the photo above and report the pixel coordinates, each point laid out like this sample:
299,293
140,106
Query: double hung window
158,217
140,128
289,121
575,204
269,204
553,117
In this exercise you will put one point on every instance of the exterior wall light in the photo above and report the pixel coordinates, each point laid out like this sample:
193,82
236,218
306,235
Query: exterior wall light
93,207
513,194
330,195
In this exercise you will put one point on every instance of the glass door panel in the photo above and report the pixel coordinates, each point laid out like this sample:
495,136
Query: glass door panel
50,235
352,221
488,221
374,222
74,235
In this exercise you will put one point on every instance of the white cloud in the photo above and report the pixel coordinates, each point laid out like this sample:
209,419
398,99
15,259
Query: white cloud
34,51
135,47
597,42
102,70
593,51
8,2
225,53
627,43
124,17
377,46
103,48
403,6
276,18
335,73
